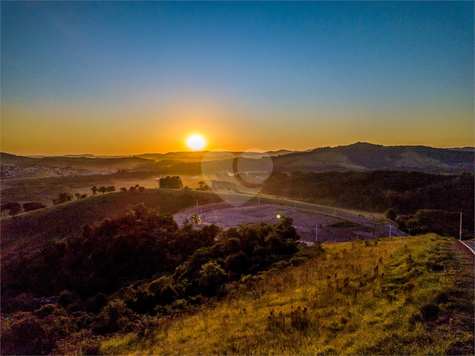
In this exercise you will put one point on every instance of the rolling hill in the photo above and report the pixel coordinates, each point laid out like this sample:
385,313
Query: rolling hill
30,230
366,156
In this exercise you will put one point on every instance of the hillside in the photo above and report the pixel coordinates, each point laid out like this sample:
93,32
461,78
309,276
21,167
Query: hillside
137,283
30,230
111,277
366,156
396,296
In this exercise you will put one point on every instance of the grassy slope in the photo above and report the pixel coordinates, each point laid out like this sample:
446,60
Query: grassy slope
29,230
369,316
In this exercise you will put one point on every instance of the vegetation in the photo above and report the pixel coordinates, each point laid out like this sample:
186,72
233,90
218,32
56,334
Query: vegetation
31,230
171,182
393,296
13,208
438,221
114,276
380,191
202,186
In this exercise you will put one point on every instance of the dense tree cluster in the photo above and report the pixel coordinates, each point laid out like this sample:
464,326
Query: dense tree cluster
112,275
438,221
170,182
405,192
109,189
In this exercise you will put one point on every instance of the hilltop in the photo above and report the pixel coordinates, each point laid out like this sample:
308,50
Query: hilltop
355,157
363,156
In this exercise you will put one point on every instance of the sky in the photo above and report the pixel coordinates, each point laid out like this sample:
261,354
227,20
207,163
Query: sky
135,77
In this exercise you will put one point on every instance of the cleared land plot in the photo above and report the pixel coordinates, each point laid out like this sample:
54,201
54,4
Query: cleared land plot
331,229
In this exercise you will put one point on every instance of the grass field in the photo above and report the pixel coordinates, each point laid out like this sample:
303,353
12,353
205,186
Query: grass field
46,189
29,230
396,296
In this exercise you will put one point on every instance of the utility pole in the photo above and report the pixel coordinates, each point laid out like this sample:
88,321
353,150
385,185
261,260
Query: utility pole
460,231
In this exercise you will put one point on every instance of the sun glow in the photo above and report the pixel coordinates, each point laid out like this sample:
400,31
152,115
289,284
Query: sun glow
195,142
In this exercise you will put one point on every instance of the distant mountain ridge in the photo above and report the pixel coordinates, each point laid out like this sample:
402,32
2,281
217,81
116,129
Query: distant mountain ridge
362,156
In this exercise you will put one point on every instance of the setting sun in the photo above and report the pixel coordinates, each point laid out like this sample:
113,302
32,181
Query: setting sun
195,142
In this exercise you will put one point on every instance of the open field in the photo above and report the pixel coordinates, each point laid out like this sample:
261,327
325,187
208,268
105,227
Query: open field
330,228
46,189
418,301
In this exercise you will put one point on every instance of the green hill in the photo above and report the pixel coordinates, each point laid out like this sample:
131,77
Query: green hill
30,230
399,296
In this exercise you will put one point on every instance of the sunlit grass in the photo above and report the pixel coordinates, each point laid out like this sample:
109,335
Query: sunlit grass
352,307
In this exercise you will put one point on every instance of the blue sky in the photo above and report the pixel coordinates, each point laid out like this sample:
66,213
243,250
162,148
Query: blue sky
243,74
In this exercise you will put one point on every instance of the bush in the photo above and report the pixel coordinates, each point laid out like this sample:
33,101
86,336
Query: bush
390,214
33,206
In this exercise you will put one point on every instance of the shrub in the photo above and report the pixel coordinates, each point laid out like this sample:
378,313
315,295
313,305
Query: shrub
33,206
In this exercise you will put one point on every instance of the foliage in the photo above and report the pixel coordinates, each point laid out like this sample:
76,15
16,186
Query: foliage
138,265
33,206
390,214
332,304
171,182
12,207
438,221
405,192
62,198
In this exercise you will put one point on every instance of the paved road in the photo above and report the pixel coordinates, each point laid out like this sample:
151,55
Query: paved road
470,244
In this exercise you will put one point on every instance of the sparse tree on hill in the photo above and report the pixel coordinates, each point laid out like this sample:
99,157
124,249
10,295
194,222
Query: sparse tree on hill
83,196
141,189
132,189
110,189
94,190
77,195
103,190
123,190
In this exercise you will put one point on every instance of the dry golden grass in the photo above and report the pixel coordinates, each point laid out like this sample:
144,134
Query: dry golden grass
357,298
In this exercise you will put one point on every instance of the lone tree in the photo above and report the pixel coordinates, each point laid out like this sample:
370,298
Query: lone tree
390,214
94,190
195,219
